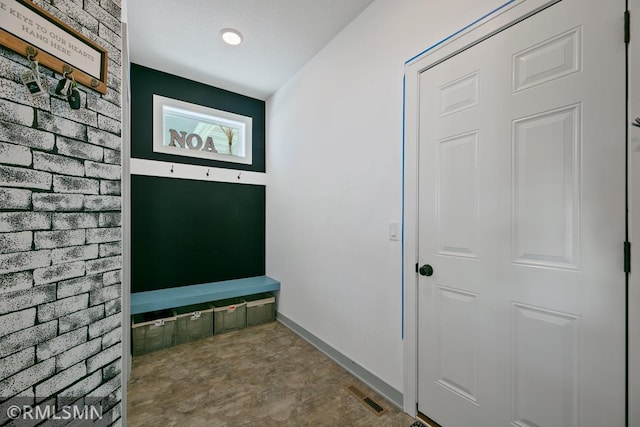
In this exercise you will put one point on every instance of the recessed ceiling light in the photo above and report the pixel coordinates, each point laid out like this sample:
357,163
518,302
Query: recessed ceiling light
231,36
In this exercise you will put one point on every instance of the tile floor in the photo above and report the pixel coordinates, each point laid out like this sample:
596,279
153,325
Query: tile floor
260,376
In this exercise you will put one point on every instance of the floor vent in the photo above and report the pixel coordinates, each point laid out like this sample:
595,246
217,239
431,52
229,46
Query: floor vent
366,400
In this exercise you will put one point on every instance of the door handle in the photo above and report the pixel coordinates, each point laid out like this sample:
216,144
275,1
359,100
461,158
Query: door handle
426,270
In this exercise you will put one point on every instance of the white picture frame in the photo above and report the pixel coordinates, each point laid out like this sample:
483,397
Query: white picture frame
191,130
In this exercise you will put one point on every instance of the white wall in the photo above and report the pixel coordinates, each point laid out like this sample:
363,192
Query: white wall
334,163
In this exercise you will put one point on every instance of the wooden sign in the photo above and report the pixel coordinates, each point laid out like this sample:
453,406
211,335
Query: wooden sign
31,31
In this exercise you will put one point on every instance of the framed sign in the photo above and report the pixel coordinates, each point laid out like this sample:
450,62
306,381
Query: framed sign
191,130
31,31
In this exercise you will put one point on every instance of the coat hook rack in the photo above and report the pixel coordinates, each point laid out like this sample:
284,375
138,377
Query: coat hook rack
90,61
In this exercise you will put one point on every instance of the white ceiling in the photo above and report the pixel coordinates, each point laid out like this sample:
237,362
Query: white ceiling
182,37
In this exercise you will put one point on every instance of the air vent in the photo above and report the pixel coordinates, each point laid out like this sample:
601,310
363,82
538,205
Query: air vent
366,400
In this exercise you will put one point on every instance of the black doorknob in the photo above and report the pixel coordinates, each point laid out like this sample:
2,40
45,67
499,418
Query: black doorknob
426,270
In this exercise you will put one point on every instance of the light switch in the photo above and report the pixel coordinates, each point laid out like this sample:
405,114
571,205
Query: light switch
394,231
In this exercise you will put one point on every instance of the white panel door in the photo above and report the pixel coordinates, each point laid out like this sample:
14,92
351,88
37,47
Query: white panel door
521,216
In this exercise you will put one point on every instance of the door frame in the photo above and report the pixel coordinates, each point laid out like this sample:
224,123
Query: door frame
505,16
125,293
634,210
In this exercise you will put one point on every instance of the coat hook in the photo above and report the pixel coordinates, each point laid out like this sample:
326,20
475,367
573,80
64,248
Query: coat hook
637,122
31,53
171,168
207,172
66,70
239,173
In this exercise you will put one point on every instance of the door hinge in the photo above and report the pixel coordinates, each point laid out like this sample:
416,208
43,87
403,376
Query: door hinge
627,26
627,257
416,267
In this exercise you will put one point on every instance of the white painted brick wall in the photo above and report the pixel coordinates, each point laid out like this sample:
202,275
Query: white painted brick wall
113,7
77,354
102,203
110,187
110,219
110,249
17,321
27,136
24,379
104,235
14,90
104,264
101,327
20,261
76,17
101,170
57,202
104,107
16,281
112,307
111,338
58,239
58,272
112,277
81,318
70,221
61,108
77,286
82,388
16,113
102,295
74,253
57,164
112,369
60,381
26,338
15,242
103,139
67,184
12,198
60,125
60,235
103,16
19,221
60,344
15,154
104,357
62,307
24,298
112,157
79,149
17,362
109,124
26,178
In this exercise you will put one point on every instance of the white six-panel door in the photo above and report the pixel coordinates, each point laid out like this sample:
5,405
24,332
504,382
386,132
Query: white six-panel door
521,216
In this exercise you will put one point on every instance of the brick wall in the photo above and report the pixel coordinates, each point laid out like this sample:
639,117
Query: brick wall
60,229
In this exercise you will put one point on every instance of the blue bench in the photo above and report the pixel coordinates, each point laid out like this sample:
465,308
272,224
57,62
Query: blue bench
143,302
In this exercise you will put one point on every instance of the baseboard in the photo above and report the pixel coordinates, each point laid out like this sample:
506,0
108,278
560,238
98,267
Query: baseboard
376,384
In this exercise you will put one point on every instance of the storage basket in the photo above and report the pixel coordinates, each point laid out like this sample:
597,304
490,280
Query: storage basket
261,308
229,315
152,331
193,322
